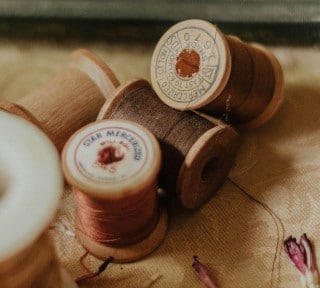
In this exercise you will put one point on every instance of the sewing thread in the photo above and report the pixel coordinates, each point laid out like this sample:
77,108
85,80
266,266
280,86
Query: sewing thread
113,167
196,154
120,222
195,66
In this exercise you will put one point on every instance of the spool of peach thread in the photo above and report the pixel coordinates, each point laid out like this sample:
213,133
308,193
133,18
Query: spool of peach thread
113,167
70,100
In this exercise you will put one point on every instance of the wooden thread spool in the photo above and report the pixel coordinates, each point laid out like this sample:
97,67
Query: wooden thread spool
70,100
197,154
113,167
195,66
32,184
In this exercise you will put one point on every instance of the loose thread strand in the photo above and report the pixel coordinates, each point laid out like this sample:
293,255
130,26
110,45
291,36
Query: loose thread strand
90,275
82,258
279,227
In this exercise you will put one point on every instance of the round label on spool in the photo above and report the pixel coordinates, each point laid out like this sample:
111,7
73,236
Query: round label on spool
109,154
190,64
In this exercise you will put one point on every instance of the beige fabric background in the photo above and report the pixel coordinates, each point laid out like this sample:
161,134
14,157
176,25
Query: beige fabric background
239,240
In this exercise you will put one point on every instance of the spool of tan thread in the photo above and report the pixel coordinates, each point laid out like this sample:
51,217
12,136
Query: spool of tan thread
195,66
70,100
113,168
31,186
196,154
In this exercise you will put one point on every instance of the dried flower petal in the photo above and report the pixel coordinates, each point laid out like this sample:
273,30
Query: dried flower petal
302,255
203,273
306,248
296,255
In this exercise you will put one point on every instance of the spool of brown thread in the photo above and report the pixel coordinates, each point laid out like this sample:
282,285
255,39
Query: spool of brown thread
70,100
195,66
196,154
113,167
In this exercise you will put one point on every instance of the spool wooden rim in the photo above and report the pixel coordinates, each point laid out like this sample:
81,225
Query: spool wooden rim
131,252
171,83
98,71
206,166
121,92
25,152
277,97
217,144
139,170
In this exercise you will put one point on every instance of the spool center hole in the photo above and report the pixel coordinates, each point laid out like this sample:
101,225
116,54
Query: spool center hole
111,153
209,169
188,63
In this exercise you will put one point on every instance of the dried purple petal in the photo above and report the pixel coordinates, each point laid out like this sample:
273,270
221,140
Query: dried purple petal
306,248
296,255
302,255
203,273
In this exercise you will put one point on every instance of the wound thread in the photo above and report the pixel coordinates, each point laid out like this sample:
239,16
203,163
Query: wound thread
188,142
248,74
113,168
238,87
250,86
60,106
120,222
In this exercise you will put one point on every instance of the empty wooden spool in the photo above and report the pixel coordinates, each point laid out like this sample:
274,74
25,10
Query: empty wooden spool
196,154
195,66
30,190
70,100
113,167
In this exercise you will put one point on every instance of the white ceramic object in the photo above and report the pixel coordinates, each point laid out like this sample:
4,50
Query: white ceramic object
31,186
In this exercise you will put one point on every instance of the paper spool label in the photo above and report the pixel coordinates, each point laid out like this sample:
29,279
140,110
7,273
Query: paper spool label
110,157
188,61
110,154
